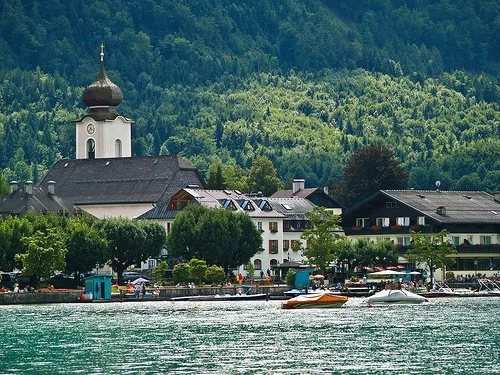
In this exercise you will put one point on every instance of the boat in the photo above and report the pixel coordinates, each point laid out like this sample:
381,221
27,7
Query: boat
443,290
395,296
241,293
315,300
488,288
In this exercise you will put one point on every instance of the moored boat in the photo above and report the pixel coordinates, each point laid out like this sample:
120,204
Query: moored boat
315,300
394,296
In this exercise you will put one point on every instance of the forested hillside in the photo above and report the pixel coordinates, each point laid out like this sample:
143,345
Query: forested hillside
304,83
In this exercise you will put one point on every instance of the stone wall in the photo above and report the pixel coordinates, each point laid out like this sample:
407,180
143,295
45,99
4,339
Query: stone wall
40,297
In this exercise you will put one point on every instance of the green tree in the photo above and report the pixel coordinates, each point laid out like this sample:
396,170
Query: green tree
86,245
321,237
371,168
4,185
197,269
215,178
263,177
250,271
215,274
219,236
235,177
129,244
434,251
14,229
290,277
160,270
46,253
181,272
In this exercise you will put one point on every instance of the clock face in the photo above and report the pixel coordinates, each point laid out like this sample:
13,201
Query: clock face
90,128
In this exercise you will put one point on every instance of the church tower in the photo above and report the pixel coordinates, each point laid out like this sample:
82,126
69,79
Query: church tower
103,132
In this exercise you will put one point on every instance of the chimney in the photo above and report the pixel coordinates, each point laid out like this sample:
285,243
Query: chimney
29,187
51,187
298,184
496,196
13,186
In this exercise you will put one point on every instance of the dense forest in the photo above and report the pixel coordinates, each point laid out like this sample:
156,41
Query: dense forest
302,83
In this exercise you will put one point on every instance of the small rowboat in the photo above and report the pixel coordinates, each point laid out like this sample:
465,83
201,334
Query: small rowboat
315,300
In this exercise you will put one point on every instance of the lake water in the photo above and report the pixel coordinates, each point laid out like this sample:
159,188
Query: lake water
444,336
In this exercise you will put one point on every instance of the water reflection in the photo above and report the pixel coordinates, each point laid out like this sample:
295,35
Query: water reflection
254,337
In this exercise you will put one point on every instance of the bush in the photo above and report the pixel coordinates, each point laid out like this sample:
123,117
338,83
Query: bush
290,277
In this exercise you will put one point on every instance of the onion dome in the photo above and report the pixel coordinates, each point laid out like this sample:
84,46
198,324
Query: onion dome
102,95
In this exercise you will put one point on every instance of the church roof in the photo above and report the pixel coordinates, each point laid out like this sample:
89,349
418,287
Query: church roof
40,201
147,179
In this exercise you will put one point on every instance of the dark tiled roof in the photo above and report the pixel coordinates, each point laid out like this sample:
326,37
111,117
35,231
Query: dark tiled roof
302,193
20,202
121,180
297,207
461,206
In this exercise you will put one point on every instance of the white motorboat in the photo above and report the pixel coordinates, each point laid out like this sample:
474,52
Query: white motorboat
394,296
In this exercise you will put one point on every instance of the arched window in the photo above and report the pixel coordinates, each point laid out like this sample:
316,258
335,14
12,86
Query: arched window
118,148
273,263
257,264
91,149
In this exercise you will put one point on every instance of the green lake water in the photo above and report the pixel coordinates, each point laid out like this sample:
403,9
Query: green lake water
444,336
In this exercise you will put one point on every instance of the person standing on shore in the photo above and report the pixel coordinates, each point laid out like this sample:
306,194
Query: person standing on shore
137,290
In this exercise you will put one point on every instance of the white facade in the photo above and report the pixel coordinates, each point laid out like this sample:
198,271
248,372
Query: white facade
110,138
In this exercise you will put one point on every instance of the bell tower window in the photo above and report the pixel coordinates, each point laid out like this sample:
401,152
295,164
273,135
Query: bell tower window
118,148
91,149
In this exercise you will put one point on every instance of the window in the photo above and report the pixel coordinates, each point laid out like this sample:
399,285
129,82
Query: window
295,245
391,205
485,240
403,221
273,263
404,241
421,220
169,225
286,225
257,264
91,149
362,222
455,240
118,148
382,221
286,245
273,226
259,225
273,246
151,263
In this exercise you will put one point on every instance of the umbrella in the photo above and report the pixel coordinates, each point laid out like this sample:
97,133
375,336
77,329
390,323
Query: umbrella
378,268
140,280
390,267
367,268
388,272
414,273
319,276
400,267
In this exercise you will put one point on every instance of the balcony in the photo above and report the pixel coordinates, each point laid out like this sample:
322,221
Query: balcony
392,230
461,249
490,249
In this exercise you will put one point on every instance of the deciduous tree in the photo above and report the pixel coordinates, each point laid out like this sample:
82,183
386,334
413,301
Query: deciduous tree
433,252
321,237
371,168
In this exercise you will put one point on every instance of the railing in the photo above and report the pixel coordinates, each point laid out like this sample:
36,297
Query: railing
391,230
461,249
